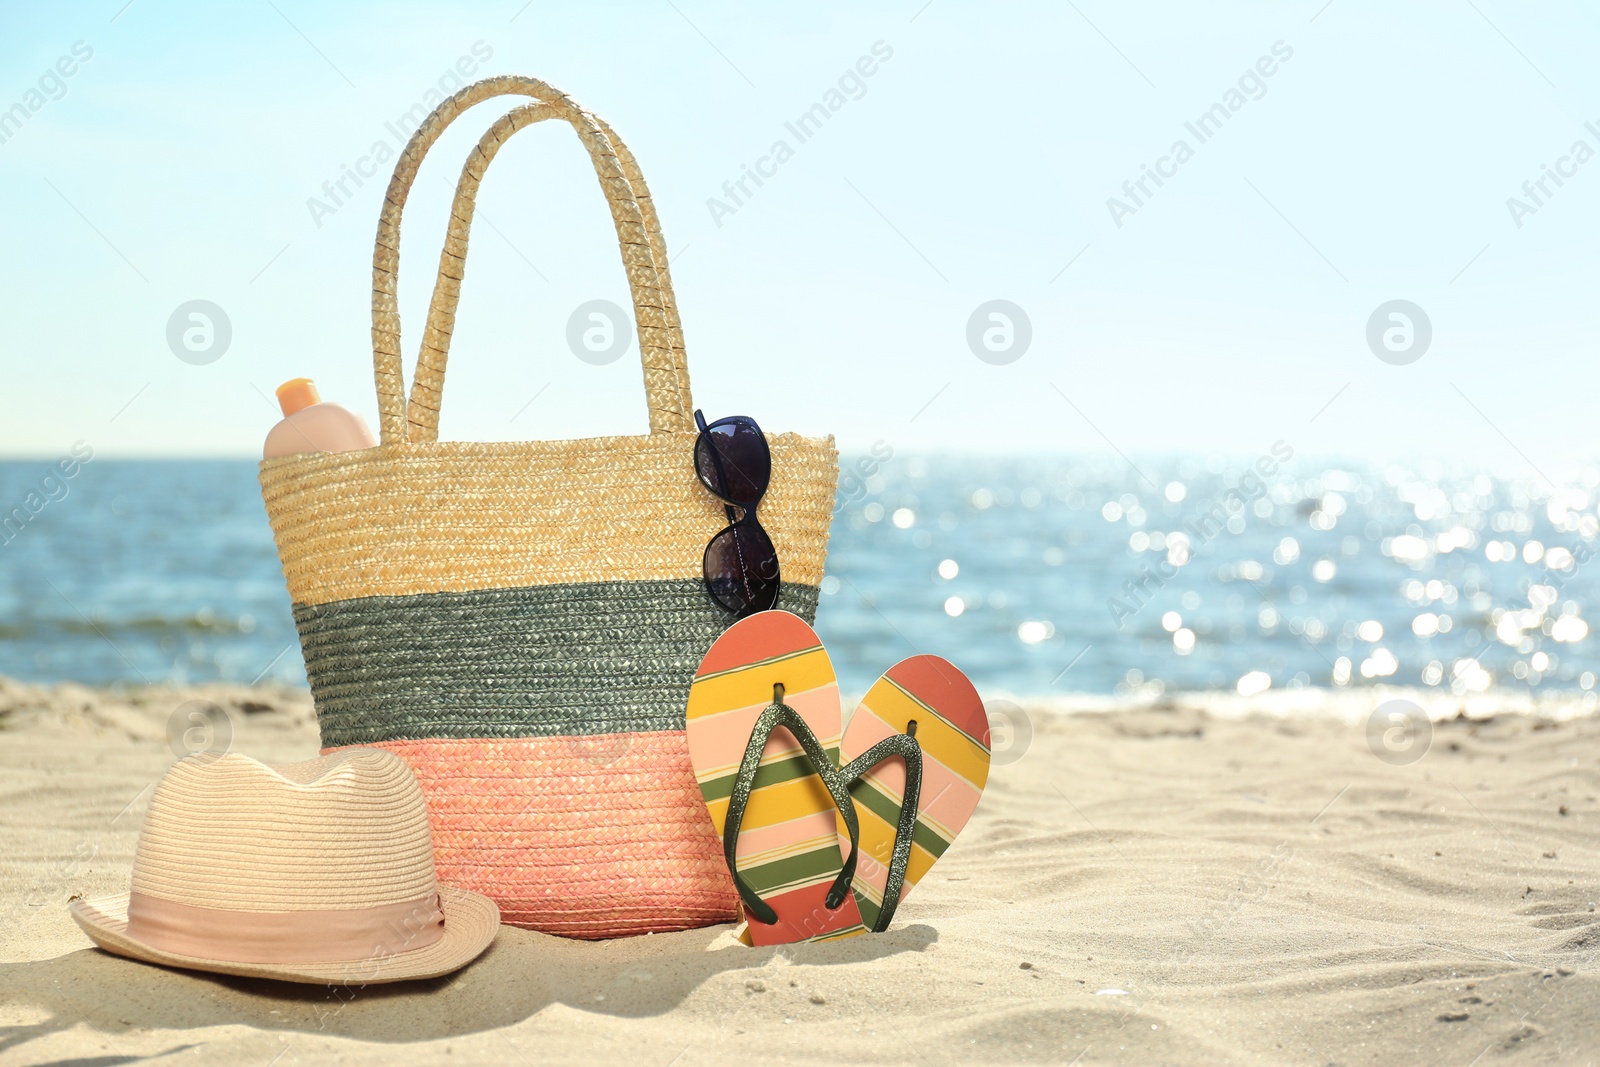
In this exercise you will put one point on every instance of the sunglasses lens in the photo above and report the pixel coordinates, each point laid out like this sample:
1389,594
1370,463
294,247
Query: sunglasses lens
742,569
732,460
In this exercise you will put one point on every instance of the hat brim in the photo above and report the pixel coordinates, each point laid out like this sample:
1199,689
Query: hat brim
470,922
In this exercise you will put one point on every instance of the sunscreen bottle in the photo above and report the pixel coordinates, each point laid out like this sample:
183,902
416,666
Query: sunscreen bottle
311,425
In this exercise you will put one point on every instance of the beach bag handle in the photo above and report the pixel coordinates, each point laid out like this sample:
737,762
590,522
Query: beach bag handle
644,255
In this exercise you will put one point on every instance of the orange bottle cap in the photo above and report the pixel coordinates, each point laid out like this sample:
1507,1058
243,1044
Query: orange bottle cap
296,394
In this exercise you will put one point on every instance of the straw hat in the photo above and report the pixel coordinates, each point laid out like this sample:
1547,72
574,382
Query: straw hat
319,871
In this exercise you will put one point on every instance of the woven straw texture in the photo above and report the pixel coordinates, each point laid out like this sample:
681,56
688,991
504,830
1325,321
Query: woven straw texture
343,832
408,519
577,835
521,621
501,663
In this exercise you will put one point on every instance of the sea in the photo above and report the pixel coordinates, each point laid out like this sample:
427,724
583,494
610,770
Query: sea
1039,577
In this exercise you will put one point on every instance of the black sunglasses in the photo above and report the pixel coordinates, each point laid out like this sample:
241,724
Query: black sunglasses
741,565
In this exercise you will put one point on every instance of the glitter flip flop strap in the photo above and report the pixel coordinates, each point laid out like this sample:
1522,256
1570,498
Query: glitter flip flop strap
779,714
905,746
838,782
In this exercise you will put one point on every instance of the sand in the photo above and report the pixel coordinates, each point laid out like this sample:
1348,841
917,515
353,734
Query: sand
1190,880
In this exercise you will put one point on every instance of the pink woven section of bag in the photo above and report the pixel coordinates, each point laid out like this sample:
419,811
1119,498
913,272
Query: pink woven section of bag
545,827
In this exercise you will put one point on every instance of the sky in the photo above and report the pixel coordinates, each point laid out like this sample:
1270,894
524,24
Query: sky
1356,154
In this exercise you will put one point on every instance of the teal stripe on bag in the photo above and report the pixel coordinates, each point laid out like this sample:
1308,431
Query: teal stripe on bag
546,661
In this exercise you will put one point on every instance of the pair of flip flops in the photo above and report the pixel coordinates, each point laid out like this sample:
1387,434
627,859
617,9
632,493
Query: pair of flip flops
826,830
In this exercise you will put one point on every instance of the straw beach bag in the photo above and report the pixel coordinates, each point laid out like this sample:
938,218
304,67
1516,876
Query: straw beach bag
521,622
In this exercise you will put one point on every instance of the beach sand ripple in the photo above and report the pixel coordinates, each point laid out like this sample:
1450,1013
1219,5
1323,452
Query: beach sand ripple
1156,884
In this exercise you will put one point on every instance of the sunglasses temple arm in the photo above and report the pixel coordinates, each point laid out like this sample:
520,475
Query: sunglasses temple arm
716,460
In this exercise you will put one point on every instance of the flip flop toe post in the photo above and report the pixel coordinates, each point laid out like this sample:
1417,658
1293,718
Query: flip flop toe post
786,848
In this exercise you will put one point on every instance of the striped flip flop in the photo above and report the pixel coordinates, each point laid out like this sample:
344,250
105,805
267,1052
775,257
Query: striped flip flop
763,725
929,699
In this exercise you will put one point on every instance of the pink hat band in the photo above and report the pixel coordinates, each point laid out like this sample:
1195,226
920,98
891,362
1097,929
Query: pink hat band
285,936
